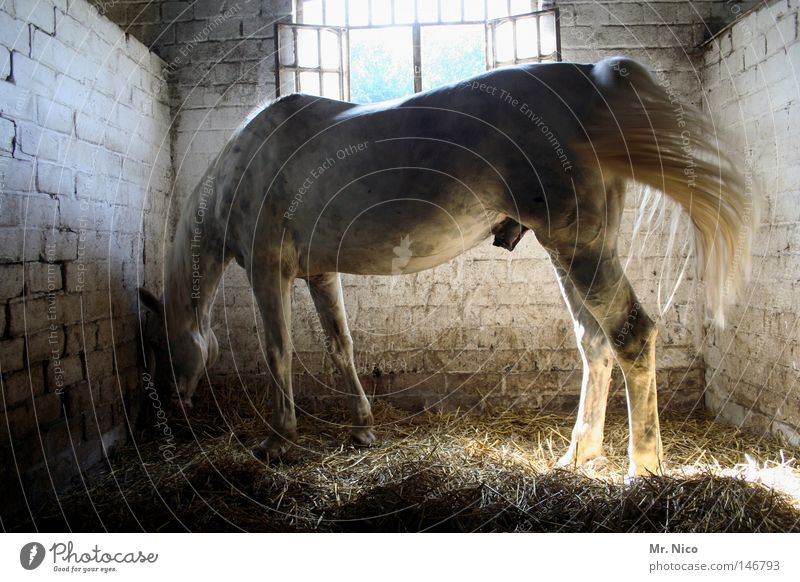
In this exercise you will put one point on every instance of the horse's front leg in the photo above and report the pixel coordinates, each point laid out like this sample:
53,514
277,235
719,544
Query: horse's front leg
326,291
272,290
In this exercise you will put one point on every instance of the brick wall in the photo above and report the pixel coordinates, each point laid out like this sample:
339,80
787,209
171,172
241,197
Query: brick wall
85,163
88,157
750,77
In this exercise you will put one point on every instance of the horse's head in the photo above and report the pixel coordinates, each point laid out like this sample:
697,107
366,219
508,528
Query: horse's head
177,354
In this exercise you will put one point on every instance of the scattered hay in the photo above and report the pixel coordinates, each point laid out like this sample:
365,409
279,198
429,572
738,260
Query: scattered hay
434,472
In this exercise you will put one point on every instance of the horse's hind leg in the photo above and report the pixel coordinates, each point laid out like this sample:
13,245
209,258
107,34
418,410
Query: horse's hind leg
272,290
602,287
326,291
598,361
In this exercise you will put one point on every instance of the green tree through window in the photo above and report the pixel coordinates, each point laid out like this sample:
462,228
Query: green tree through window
451,53
381,65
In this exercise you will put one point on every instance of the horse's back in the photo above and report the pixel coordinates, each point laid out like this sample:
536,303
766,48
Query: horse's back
333,175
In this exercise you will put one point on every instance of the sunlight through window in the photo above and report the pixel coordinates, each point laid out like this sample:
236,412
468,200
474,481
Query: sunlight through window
451,53
527,38
363,50
309,83
307,48
329,49
451,10
427,11
474,10
312,12
404,12
547,24
335,13
359,13
381,64
497,9
330,85
504,41
521,6
381,12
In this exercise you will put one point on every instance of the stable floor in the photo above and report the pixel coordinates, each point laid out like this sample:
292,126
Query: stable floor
432,472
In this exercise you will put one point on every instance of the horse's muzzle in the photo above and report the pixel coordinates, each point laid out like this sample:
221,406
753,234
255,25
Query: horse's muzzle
179,406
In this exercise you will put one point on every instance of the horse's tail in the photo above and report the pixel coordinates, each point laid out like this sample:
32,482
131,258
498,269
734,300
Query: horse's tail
637,129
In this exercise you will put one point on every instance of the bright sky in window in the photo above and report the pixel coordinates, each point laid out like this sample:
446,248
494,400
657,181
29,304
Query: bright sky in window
451,53
381,64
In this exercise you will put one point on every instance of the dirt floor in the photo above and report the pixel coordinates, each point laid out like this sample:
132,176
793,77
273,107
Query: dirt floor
432,472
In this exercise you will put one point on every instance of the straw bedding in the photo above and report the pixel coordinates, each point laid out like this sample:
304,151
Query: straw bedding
433,472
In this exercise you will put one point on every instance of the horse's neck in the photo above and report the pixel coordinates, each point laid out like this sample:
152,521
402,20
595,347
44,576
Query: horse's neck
196,264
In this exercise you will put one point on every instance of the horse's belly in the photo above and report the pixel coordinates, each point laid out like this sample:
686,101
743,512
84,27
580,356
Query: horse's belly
397,237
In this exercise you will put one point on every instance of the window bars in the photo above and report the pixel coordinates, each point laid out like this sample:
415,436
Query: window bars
312,53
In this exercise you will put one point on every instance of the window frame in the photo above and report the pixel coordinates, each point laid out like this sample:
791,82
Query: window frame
489,25
342,34
491,45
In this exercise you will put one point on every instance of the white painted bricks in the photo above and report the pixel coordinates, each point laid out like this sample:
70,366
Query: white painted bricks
750,77
84,165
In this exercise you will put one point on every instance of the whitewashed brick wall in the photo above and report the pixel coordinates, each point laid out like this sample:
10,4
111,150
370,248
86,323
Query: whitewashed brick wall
85,171
750,79
88,158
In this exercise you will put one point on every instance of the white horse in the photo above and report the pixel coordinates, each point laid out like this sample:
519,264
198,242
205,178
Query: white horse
311,187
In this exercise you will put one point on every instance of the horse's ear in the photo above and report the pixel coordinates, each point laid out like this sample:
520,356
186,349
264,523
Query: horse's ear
150,301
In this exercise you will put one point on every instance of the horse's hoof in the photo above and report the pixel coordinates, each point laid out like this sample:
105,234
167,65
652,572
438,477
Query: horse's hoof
595,464
363,437
272,448
650,469
570,459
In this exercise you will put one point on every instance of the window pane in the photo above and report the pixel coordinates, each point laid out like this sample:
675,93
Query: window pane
504,41
451,53
547,26
334,12
381,64
330,49
309,83
527,45
498,8
287,82
359,12
427,11
307,49
286,43
403,11
474,10
312,12
330,86
381,11
522,6
451,10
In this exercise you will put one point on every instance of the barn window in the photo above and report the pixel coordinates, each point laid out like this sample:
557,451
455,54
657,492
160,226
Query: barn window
371,50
